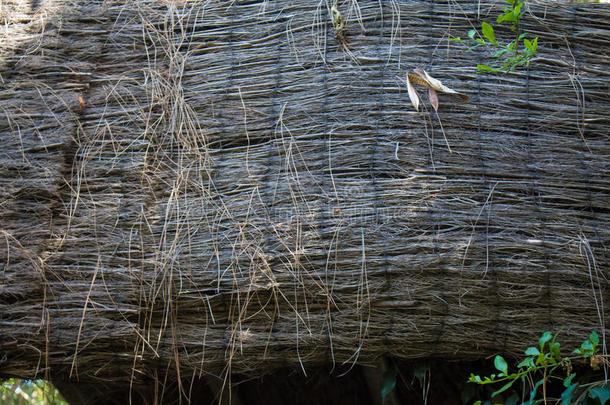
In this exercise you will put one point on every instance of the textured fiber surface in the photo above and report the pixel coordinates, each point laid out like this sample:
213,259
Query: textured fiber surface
228,187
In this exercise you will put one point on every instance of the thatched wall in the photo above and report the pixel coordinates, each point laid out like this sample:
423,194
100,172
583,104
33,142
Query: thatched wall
208,187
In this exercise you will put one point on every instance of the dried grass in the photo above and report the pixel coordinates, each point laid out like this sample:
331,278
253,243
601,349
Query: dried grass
205,188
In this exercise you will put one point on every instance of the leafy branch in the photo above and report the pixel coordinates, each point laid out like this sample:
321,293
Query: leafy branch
508,56
547,359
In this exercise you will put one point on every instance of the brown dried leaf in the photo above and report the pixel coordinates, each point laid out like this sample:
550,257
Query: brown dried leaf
412,94
430,82
413,78
433,95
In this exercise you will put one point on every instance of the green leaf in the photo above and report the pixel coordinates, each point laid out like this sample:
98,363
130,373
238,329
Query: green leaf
527,362
532,351
568,380
555,351
458,39
546,336
500,364
517,11
475,379
508,16
471,34
484,68
388,382
593,338
587,348
534,45
568,394
531,45
488,32
504,388
477,403
601,393
500,52
541,359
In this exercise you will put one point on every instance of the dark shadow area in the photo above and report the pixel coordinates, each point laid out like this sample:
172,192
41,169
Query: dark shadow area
429,382
421,382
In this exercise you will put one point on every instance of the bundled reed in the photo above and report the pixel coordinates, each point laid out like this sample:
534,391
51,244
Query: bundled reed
193,188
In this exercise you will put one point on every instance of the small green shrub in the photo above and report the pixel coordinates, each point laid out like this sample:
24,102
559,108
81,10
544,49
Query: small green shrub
508,56
544,364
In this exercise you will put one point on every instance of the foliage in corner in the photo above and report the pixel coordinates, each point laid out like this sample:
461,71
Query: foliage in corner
508,56
15,391
545,365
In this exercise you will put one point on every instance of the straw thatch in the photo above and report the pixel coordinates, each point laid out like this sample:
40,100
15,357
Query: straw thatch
192,187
